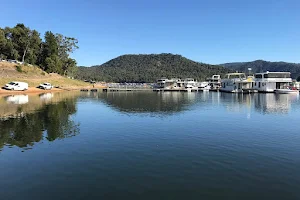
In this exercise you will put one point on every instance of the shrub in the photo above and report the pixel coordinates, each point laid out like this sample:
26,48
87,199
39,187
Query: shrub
19,68
43,73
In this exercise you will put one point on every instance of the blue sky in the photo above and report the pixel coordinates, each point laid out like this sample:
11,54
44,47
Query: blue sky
211,31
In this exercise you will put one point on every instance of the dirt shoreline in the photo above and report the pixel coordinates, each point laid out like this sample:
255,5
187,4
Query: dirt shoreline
33,90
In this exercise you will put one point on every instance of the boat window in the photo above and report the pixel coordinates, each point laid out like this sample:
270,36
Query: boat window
258,76
234,76
277,75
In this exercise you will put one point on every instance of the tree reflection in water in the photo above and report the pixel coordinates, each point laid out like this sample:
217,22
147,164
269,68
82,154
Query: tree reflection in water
51,122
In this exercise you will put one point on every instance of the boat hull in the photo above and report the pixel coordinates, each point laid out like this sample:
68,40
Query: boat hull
286,91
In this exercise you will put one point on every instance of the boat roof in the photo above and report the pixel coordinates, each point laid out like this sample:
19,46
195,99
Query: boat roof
267,72
235,73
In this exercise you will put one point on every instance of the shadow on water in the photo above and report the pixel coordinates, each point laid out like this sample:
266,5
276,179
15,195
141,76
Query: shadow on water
26,120
166,103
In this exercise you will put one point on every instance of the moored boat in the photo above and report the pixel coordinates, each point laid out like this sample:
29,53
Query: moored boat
286,91
271,81
237,83
204,86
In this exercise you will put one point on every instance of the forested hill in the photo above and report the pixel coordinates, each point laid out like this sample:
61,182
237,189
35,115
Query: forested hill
149,68
263,66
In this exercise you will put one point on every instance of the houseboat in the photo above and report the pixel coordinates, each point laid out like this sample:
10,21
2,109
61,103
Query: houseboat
165,83
271,81
214,82
237,83
176,84
204,86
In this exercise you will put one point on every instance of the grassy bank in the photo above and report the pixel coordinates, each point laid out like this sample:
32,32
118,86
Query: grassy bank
33,75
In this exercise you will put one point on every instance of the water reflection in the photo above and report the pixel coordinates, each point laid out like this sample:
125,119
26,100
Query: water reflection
148,102
25,120
17,99
172,102
46,96
24,125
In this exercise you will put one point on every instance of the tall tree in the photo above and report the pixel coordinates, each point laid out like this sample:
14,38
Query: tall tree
10,51
49,52
33,48
66,45
2,43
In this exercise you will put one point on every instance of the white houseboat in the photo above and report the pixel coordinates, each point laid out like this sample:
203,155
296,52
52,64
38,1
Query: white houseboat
165,83
271,81
214,82
237,83
204,86
177,84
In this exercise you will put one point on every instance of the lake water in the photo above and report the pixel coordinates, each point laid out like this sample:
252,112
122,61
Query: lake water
148,145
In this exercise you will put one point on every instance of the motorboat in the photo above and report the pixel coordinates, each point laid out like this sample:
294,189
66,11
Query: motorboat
286,91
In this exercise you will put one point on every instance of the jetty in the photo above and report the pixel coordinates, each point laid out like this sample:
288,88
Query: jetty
125,89
176,90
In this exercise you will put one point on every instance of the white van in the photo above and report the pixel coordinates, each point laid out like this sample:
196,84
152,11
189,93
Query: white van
16,86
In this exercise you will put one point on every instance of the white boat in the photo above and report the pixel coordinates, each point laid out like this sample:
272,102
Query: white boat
214,82
237,83
176,84
286,91
165,83
271,81
190,83
296,85
204,86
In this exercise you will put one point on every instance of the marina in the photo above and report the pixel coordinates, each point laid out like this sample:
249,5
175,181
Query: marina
267,82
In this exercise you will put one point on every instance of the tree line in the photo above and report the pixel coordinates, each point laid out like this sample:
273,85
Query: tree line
51,53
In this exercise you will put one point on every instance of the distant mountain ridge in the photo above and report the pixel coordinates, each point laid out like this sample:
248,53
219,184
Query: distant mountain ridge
149,68
263,66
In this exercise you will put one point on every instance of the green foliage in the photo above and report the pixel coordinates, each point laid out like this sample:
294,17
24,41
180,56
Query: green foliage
19,68
53,64
54,119
298,79
43,73
149,68
263,66
52,55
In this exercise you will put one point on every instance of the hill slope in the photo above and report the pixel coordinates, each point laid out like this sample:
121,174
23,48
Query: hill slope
33,75
262,66
148,68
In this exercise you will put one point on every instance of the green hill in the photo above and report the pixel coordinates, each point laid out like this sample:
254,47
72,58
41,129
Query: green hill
149,68
263,66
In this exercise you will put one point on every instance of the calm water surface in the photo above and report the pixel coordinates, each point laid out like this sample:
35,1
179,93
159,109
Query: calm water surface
150,146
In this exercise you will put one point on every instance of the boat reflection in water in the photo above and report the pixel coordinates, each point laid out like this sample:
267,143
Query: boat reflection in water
274,103
17,99
171,102
263,103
